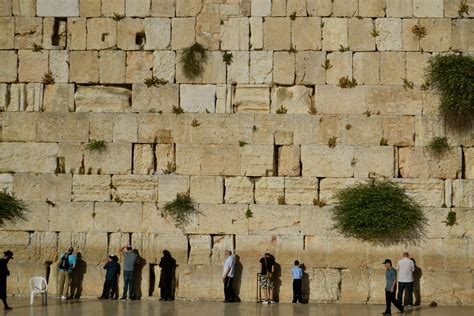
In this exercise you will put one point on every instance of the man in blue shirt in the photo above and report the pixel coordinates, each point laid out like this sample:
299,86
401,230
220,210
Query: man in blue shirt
67,263
297,273
390,288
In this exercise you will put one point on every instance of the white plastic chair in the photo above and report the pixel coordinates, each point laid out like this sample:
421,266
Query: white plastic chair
39,285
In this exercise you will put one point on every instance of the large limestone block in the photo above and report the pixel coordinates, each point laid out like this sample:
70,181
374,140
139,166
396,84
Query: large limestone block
112,66
154,222
331,99
399,8
327,127
207,189
416,63
469,162
23,8
296,99
28,31
284,68
354,253
125,127
6,8
438,35
80,74
257,160
427,127
366,67
275,219
418,162
183,32
155,99
363,130
311,214
427,8
170,186
76,33
239,190
200,281
372,8
101,126
198,98
200,249
261,65
188,159
220,160
409,41
188,7
127,30
59,65
152,246
250,248
261,7
324,284
135,188
359,31
47,187
235,34
269,190
287,249
100,162
165,154
308,67
9,60
238,70
143,158
49,29
256,33
390,34
463,193
59,8
102,99
374,160
277,33
19,126
289,161
72,216
164,65
220,244
341,67
101,33
138,8
157,33
7,38
392,68
72,154
301,190
139,66
91,188
89,8
32,66
322,161
117,217
394,100
458,287
223,218
461,34
6,182
315,251
17,242
426,192
163,8
306,33
63,127
334,34
399,130
37,219
345,7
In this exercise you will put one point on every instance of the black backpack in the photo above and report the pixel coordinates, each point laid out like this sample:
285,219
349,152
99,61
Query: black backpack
64,263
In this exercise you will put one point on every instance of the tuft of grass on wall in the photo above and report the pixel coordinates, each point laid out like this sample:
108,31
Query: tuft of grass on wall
96,145
438,146
193,60
181,210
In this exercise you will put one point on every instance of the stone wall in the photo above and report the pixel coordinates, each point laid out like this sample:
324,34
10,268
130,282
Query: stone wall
232,151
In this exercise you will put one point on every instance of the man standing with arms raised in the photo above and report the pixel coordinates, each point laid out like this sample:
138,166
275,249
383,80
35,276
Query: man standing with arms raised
129,260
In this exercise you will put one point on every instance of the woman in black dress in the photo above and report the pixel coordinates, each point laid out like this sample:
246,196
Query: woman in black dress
167,265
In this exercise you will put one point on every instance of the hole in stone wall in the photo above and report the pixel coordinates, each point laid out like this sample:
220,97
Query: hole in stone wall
152,279
58,24
140,38
104,36
276,149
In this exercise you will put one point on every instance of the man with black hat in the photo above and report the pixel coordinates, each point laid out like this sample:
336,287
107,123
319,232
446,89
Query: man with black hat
390,288
4,273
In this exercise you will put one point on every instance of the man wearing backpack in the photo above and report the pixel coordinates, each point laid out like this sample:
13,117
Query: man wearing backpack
66,265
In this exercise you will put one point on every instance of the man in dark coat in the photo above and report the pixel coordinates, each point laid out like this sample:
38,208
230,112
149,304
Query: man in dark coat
167,265
4,273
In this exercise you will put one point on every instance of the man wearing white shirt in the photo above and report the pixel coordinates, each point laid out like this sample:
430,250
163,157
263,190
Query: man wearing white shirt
228,277
405,269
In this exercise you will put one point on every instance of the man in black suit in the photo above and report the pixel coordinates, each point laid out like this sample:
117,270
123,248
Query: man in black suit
4,273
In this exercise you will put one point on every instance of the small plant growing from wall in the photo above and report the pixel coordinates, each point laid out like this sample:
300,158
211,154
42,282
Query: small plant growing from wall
463,8
281,200
292,50
345,82
37,48
281,110
407,84
193,60
383,142
312,110
170,168
452,77
327,65
374,32
343,49
177,110
96,145
227,58
438,146
11,208
451,219
319,202
248,213
367,113
118,200
293,16
348,126
418,31
242,143
154,81
378,211
181,210
195,123
332,142
118,17
48,78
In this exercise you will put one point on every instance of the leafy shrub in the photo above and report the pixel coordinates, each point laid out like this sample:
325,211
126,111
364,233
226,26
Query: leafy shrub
11,208
378,211
418,31
227,58
248,213
181,209
450,219
453,77
193,60
438,145
96,145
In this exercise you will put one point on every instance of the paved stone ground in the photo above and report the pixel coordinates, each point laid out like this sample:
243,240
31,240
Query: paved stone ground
154,307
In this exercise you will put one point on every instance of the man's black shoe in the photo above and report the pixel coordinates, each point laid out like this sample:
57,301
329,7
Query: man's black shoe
387,313
7,308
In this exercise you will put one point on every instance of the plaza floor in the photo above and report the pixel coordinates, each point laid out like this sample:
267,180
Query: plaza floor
153,307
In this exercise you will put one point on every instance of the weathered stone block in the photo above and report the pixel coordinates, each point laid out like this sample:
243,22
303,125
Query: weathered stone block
101,33
76,33
359,31
164,8
289,163
330,126
301,190
164,65
164,154
109,7
127,31
139,8
399,8
373,160
277,33
188,159
329,186
57,8
306,33
334,100
23,8
89,8
139,66
112,66
392,68
238,70
99,162
256,160
9,60
426,192
394,100
308,68
235,34
296,99
170,186
345,7
469,161
125,127
135,188
48,187
28,31
239,190
390,34
284,68
207,189
220,160
102,99
72,216
37,219
80,74
463,193
334,34
274,220
416,64
256,33
59,65
261,7
418,162
32,65
372,8
157,33
219,219
101,127
426,8
399,130
188,7
269,190
363,130
154,222
438,36
198,98
252,98
460,33
319,7
427,127
143,159
17,242
341,67
7,38
91,188
62,127
19,126
183,32
261,65
200,249
322,161
117,217
154,99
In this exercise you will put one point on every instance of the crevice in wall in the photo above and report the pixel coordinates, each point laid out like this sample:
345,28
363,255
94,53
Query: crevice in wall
223,190
154,159
151,279
276,150
133,157
47,270
56,36
188,254
463,164
130,236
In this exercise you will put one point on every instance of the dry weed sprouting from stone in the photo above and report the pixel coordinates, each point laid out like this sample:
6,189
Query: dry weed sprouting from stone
463,8
327,65
345,82
374,32
195,123
407,84
332,142
451,219
418,31
281,110
319,202
154,81
170,168
383,142
177,110
48,78
281,200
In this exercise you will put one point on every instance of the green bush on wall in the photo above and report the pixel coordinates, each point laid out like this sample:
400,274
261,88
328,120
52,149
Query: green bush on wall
453,77
378,211
11,208
181,210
